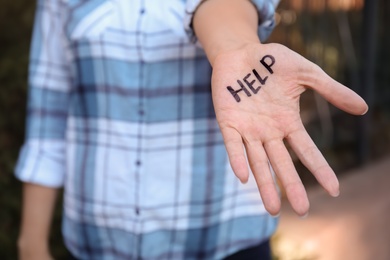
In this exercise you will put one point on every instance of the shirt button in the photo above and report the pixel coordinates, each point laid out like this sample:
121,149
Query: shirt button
142,11
138,162
141,112
137,211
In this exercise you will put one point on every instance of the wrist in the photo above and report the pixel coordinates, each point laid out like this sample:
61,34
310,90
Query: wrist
242,49
231,47
225,25
33,252
25,243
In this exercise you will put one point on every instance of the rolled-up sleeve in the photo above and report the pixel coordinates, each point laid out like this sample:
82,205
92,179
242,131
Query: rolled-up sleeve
266,10
42,157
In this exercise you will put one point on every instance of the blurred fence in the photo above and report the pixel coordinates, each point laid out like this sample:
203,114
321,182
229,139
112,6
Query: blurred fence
331,33
349,40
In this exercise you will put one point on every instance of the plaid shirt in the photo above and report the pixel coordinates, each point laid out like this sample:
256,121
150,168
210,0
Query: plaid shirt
120,113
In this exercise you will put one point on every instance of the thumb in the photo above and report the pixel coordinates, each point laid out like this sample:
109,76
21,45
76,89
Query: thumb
338,94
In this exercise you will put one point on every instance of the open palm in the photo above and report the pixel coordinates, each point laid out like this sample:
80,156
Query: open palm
256,91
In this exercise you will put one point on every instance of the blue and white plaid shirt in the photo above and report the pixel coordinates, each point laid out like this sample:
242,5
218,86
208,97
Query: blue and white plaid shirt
120,113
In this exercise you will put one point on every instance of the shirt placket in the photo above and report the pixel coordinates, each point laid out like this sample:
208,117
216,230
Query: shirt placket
139,160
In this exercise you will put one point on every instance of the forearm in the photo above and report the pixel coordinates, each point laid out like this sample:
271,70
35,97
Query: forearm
223,25
37,211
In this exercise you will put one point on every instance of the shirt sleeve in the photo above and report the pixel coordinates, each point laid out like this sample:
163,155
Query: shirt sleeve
266,10
42,157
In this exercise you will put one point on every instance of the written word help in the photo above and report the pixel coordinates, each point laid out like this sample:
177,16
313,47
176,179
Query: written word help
248,83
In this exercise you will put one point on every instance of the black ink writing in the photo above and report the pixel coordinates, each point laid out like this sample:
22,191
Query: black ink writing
235,92
250,83
262,81
266,65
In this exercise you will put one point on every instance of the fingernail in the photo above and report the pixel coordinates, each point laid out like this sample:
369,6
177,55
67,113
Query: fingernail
305,216
365,112
276,216
243,180
335,195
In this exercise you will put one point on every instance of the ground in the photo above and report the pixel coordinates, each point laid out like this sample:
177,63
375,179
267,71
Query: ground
354,226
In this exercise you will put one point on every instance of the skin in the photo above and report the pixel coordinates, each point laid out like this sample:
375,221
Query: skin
227,29
37,212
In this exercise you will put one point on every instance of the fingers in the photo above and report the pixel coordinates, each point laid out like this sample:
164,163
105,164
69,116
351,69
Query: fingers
284,168
235,150
258,162
337,94
312,158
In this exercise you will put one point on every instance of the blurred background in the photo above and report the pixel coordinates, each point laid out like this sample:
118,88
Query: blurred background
350,40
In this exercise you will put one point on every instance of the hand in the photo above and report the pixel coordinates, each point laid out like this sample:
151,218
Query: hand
33,250
256,90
